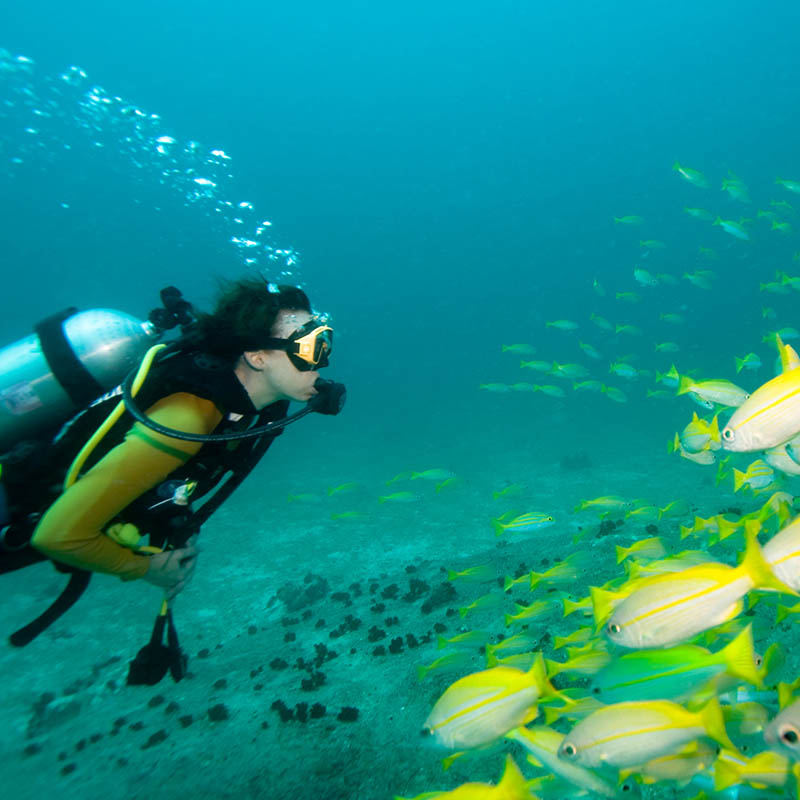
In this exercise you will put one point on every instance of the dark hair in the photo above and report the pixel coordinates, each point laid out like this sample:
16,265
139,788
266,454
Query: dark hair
245,315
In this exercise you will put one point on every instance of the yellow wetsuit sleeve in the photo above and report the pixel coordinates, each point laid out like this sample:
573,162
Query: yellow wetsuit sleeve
72,529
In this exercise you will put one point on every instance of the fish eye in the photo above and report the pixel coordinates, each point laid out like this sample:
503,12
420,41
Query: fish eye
789,735
614,629
569,750
425,732
728,435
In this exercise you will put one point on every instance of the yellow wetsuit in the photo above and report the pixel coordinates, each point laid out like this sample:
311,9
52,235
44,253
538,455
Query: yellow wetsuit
72,529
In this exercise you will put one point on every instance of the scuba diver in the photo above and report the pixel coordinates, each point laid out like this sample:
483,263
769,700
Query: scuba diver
205,408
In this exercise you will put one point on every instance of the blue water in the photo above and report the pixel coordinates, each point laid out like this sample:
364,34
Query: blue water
442,178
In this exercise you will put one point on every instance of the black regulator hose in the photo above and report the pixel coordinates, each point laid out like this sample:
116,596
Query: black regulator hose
330,399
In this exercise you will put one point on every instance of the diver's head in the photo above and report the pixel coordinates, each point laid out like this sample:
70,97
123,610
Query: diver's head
271,338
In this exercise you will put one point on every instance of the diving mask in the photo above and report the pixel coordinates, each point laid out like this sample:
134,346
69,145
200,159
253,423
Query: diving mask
308,347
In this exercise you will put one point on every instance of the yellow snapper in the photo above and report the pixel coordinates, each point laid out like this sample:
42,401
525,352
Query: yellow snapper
435,474
764,769
486,705
700,434
527,349
675,673
536,609
543,744
693,176
609,502
565,571
552,391
562,325
648,548
733,228
668,609
792,186
699,213
484,572
615,394
715,391
750,361
512,786
448,662
537,366
681,766
770,416
632,733
524,523
736,188
568,370
758,475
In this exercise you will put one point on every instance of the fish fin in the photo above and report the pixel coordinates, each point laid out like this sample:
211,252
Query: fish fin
684,385
785,695
538,674
757,566
714,429
512,784
726,772
714,724
740,657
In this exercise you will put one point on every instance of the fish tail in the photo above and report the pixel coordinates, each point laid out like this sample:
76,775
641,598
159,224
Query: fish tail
512,784
509,619
452,575
602,604
739,365
714,724
740,657
757,566
498,526
684,385
422,671
538,676
727,773
622,553
739,479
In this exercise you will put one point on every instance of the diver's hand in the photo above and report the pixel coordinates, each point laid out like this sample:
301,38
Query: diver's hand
172,569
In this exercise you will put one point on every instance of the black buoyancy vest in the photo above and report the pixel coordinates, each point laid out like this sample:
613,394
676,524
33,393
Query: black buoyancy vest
215,471
219,467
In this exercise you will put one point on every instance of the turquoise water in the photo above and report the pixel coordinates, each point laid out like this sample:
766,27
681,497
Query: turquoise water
443,181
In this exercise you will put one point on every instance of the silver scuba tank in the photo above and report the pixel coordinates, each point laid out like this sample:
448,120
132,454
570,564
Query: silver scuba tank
72,359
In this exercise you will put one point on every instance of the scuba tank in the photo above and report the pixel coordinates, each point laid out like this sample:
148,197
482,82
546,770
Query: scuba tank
71,359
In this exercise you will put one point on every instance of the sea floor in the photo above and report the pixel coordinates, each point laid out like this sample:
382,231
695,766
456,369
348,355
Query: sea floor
284,618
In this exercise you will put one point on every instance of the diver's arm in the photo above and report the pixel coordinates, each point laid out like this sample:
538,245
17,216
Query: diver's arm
72,529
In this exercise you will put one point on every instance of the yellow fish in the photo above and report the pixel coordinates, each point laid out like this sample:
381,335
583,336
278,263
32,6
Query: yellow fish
486,705
627,734
668,609
512,786
769,417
